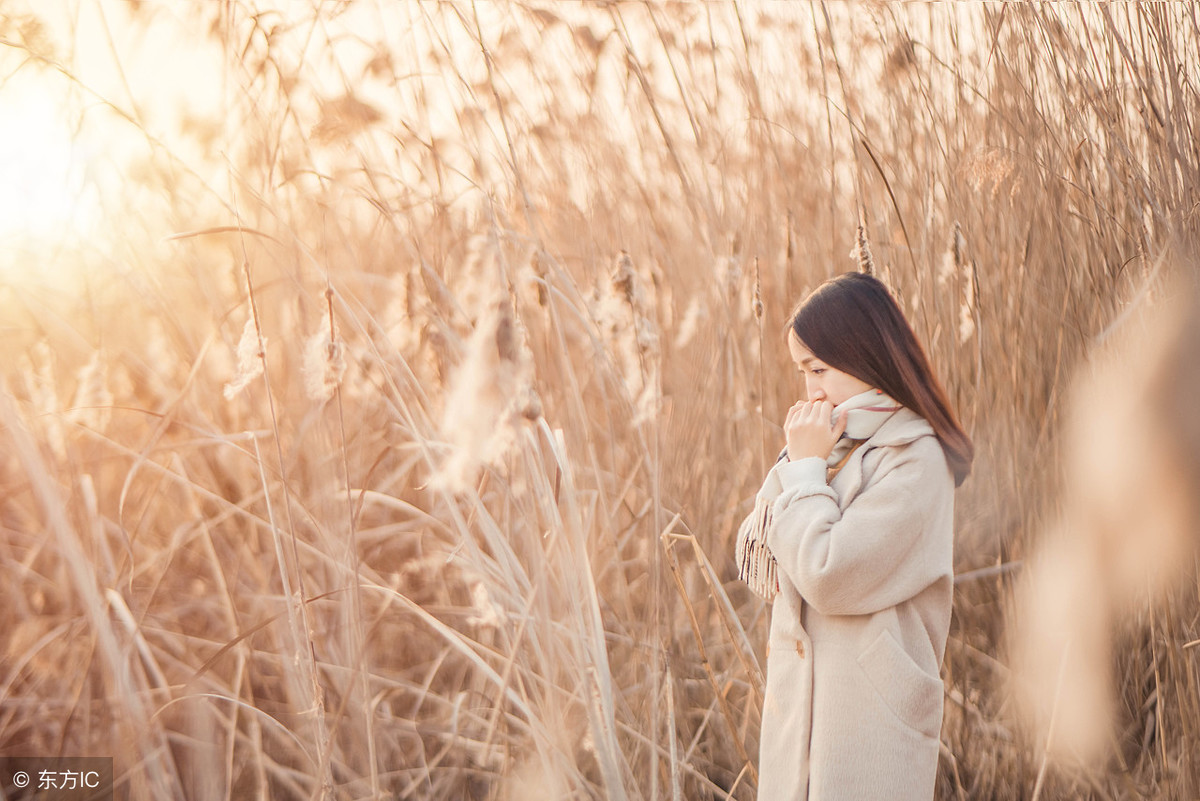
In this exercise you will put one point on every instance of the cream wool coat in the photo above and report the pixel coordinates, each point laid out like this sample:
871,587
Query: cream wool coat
853,704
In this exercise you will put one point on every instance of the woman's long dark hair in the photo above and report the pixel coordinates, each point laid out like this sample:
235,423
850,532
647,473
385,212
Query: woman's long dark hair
852,323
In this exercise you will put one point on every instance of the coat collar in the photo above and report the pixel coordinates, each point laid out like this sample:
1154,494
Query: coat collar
901,428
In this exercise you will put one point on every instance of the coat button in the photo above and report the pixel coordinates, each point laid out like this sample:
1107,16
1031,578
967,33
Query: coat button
800,648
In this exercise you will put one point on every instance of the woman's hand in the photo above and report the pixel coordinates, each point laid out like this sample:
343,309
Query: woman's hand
809,432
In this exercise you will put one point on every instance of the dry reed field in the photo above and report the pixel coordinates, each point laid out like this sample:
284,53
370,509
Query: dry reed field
383,382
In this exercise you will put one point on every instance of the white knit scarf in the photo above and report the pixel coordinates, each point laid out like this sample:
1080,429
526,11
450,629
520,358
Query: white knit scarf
865,413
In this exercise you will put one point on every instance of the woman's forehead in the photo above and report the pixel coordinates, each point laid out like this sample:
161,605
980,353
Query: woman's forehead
799,352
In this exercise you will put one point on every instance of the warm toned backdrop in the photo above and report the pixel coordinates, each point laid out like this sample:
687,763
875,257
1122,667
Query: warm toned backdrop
383,382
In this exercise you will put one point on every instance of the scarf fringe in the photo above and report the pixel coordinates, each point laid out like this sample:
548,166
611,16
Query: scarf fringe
866,412
756,564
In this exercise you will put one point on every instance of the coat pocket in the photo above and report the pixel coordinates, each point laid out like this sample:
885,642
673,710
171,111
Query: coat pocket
914,696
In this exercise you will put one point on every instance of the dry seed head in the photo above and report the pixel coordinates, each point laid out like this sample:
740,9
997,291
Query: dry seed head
657,279
624,280
529,403
474,282
250,356
648,405
506,333
952,261
482,387
485,614
647,337
958,246
343,117
758,304
966,270
625,332
861,252
381,65
537,263
946,270
588,40
323,368
541,276
901,60
31,32
989,169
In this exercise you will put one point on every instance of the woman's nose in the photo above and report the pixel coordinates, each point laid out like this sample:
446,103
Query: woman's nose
816,394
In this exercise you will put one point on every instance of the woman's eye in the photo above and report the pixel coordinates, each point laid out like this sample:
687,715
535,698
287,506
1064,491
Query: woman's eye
818,370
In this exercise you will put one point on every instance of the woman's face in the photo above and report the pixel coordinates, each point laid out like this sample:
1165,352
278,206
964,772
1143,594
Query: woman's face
821,381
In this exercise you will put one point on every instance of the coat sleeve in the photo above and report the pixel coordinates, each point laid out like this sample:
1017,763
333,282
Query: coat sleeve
883,549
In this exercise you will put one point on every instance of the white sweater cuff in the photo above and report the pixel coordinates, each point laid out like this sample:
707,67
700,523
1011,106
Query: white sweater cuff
806,475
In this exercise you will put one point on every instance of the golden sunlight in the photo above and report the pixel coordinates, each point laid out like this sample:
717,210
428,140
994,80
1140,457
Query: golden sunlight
44,187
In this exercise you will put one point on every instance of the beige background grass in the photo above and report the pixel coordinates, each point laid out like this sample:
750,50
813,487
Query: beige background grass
384,432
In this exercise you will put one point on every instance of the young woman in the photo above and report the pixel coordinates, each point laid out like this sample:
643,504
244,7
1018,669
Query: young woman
852,535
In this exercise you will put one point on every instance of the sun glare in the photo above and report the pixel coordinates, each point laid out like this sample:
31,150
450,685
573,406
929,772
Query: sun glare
44,190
